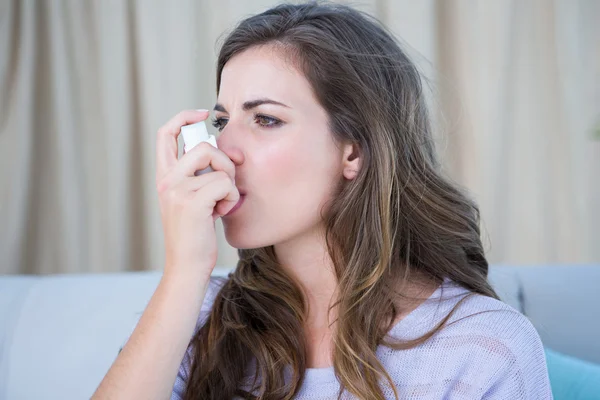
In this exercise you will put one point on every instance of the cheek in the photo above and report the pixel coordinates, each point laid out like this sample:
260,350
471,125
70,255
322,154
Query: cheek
281,165
296,175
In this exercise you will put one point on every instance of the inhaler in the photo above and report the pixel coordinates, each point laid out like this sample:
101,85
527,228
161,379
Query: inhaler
195,134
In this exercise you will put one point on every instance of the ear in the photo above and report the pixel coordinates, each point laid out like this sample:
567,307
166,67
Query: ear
351,160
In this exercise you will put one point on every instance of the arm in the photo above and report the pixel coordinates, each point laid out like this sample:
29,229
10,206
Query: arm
148,364
523,377
523,373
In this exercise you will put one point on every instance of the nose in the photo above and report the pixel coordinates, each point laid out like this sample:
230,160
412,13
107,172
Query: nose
231,147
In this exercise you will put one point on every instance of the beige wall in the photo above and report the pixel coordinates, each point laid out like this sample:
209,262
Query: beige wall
85,85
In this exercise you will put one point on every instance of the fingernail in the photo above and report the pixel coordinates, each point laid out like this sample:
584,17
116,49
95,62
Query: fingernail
201,110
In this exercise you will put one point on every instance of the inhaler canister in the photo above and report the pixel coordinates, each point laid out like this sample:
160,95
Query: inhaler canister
195,134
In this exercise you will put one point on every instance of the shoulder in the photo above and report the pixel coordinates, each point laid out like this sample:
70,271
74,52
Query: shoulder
501,344
471,314
486,348
489,317
214,286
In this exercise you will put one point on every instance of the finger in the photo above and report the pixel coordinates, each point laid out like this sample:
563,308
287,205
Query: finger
166,141
199,158
222,190
190,185
199,184
214,185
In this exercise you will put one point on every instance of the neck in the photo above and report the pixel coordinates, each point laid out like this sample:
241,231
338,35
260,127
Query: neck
306,258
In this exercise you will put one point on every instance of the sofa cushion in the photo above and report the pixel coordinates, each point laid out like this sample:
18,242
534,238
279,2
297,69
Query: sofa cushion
562,302
68,331
572,378
13,294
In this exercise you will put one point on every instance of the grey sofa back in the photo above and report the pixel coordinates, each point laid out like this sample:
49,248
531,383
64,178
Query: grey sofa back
562,302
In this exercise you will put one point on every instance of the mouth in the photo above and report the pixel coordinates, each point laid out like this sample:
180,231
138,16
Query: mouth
237,206
241,191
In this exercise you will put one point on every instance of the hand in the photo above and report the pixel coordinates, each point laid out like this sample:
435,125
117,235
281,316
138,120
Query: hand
191,204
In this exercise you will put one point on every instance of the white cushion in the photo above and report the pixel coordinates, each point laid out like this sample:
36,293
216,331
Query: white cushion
60,333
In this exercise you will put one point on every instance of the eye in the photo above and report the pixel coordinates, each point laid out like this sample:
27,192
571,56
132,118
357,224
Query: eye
219,123
266,121
263,120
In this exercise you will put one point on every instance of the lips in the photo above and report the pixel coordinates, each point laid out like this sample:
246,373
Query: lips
238,205
241,190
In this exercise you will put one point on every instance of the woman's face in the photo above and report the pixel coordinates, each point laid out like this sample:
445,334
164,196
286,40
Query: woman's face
276,133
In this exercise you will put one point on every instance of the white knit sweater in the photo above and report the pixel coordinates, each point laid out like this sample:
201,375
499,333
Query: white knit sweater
490,352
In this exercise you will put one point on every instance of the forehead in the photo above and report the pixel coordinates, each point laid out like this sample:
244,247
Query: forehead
264,71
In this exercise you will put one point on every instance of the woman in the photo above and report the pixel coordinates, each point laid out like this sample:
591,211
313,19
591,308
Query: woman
361,270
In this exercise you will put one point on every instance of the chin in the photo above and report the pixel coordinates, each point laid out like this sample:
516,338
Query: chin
241,238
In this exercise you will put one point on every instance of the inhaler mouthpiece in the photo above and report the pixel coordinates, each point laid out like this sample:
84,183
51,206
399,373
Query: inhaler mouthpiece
195,134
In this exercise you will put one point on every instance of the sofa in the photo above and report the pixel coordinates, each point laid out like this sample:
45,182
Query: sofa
59,334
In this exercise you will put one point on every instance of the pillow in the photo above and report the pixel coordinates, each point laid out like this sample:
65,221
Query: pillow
572,378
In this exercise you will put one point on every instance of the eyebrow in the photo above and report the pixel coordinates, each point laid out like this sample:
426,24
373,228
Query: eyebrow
249,105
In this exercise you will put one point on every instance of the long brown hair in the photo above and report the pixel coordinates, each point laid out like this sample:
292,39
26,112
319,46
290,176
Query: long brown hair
399,219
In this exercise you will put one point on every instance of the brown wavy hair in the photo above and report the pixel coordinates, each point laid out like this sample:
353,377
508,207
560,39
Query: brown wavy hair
399,221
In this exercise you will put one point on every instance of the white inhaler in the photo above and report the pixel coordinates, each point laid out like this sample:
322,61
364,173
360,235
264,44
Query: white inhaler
195,134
